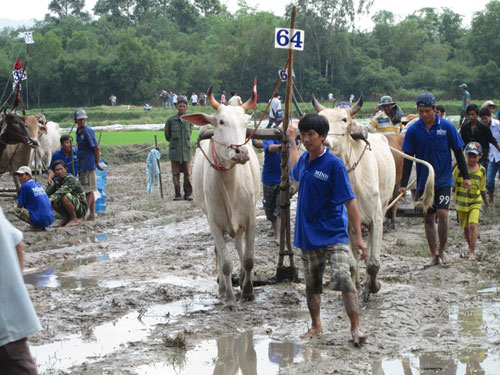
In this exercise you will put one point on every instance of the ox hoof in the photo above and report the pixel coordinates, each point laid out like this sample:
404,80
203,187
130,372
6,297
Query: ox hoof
365,295
375,287
248,297
230,307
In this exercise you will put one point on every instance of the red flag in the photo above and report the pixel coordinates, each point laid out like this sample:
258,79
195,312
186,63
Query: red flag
254,93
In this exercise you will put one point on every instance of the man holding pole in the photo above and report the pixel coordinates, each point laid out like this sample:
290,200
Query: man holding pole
325,207
88,156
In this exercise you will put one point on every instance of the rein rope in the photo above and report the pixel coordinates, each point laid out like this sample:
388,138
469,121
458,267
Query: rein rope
214,164
356,163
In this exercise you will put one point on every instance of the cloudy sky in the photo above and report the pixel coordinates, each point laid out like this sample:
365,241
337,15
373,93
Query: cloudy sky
29,9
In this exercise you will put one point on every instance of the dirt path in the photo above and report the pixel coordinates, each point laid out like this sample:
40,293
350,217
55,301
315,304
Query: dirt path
135,293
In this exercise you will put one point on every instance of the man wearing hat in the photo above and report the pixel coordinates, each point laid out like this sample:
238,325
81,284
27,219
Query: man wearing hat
490,104
33,204
465,102
388,118
88,157
431,138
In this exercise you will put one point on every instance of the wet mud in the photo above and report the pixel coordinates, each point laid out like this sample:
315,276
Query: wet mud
135,292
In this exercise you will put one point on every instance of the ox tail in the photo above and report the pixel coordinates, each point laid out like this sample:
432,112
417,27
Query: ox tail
427,199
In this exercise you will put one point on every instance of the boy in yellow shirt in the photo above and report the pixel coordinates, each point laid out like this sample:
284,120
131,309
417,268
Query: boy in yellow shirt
468,202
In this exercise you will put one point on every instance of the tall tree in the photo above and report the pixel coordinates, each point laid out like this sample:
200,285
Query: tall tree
64,8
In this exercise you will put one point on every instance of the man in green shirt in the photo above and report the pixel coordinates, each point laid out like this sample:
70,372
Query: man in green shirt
178,134
465,102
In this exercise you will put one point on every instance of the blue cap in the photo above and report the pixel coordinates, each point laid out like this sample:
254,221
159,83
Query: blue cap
343,105
278,115
473,148
426,100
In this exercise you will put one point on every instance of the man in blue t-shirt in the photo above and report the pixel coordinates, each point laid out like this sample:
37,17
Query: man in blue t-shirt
432,138
33,204
67,153
271,178
88,156
324,205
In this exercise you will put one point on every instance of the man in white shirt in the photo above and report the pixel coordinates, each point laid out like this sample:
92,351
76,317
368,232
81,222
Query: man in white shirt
273,108
494,155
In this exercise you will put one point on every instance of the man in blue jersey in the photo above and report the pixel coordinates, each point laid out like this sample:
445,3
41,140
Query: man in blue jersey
431,138
33,204
271,178
325,207
67,153
88,157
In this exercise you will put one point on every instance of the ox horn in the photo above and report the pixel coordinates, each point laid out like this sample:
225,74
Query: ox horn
318,107
214,103
355,109
249,103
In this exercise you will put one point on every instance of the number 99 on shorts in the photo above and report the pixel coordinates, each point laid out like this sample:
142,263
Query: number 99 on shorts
289,39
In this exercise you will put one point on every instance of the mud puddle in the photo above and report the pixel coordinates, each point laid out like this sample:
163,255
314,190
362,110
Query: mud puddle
240,353
102,340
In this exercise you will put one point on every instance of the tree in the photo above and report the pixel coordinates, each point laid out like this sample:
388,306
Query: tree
484,38
64,8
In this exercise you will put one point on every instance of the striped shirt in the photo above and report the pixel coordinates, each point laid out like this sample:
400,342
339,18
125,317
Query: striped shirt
382,123
465,200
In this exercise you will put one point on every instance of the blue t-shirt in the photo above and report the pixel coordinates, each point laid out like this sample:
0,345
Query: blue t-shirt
434,147
321,218
86,142
17,315
271,170
59,155
36,201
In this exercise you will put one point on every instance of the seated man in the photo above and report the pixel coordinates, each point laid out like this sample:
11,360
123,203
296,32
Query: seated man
67,195
33,204
64,154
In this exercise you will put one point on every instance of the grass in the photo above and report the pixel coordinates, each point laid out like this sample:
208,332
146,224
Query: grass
179,341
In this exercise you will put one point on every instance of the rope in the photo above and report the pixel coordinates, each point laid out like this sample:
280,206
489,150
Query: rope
8,81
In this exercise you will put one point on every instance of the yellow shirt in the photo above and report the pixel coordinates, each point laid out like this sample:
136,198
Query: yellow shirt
468,200
382,123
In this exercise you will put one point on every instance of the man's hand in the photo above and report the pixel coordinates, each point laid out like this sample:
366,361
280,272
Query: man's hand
402,190
50,180
467,184
292,133
360,247
100,167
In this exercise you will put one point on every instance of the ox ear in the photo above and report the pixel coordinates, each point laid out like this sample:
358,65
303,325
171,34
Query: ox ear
199,119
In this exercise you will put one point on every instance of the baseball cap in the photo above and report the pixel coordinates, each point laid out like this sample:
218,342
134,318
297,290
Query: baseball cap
80,114
386,100
23,170
463,85
473,148
426,100
278,115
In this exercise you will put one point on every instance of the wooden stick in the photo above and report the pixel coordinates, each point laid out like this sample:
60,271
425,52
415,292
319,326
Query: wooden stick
401,195
158,162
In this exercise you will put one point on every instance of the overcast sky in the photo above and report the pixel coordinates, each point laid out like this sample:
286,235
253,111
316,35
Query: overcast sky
28,9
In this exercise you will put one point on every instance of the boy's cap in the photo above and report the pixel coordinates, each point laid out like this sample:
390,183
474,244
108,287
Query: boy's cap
23,170
278,115
463,85
473,148
426,100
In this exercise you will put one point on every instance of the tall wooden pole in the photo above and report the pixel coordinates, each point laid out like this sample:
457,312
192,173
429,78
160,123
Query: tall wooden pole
159,168
291,272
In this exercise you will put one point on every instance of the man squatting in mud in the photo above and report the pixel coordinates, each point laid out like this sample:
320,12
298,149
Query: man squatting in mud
321,227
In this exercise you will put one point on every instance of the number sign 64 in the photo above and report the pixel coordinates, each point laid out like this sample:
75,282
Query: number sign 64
282,39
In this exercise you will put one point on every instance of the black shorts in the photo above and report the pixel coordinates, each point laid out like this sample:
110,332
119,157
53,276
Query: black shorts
442,197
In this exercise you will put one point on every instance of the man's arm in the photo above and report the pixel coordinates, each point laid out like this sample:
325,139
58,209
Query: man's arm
167,131
274,147
355,223
97,157
292,134
20,254
407,166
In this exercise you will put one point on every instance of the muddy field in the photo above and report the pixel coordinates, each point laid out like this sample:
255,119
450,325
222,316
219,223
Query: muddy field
135,293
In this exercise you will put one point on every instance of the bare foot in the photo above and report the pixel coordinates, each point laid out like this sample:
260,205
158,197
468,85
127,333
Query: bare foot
433,262
72,222
64,222
445,261
90,218
311,332
358,338
472,256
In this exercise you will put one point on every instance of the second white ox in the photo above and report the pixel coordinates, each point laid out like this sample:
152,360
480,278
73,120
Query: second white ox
49,134
372,174
226,186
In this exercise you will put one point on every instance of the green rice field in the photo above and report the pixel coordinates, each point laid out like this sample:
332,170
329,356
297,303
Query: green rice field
134,137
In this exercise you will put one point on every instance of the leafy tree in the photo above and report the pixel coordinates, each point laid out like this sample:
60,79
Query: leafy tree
63,8
484,38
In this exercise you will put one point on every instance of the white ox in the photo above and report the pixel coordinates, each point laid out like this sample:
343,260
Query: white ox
226,186
49,134
372,174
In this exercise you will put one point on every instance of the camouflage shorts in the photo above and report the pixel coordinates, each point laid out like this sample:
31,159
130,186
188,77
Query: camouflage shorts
314,267
271,201
80,208
23,214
